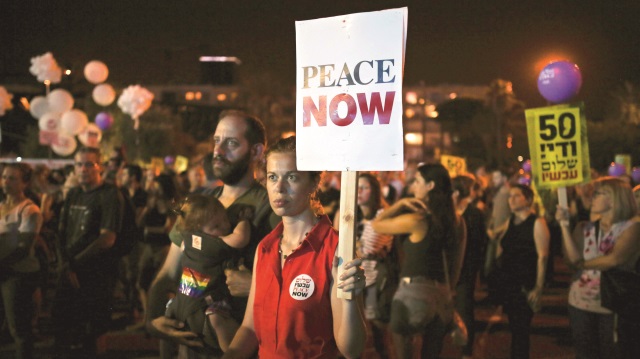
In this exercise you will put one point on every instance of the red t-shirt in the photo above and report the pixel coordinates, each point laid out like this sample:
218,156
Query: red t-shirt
292,305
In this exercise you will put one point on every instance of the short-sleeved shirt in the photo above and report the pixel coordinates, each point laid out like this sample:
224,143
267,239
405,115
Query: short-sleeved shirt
85,213
21,218
292,308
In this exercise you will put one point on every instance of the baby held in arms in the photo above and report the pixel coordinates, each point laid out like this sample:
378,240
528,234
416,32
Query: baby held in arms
202,299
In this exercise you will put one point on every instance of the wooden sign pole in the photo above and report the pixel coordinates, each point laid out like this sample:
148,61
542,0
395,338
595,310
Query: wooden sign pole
562,197
348,213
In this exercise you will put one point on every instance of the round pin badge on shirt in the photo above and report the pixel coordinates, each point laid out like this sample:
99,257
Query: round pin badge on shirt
301,287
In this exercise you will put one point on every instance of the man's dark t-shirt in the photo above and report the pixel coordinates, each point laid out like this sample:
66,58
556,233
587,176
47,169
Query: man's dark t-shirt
139,198
85,214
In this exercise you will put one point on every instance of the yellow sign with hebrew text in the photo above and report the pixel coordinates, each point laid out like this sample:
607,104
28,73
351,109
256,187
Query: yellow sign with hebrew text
558,145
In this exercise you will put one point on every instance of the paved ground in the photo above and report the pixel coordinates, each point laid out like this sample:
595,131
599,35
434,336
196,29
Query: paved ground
551,336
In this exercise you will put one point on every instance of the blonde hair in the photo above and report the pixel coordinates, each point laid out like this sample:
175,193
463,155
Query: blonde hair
624,204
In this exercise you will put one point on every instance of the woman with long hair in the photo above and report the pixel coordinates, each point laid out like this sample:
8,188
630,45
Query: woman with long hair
379,262
522,249
433,252
293,309
20,222
611,241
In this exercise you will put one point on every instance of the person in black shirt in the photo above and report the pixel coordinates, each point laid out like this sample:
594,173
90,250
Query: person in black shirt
463,187
91,217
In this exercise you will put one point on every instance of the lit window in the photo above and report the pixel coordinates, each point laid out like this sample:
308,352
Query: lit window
409,113
413,138
411,98
221,97
189,96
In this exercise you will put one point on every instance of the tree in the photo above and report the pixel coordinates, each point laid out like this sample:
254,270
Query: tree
619,131
508,115
465,120
481,128
627,99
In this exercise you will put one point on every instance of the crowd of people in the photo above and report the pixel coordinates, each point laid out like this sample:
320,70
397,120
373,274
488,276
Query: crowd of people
245,260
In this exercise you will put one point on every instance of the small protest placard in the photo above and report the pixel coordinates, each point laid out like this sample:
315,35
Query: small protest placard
455,165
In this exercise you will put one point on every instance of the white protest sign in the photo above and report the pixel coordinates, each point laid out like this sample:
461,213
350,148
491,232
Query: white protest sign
349,91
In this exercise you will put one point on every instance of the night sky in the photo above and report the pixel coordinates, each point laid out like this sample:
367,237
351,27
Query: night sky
455,42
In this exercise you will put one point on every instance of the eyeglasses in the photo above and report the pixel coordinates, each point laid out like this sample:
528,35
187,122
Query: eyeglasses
87,164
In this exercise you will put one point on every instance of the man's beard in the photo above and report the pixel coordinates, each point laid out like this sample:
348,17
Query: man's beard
232,172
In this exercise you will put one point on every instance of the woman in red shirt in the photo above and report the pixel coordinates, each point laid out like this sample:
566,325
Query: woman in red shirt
293,309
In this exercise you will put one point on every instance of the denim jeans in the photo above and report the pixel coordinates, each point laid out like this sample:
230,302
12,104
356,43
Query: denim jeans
17,292
592,334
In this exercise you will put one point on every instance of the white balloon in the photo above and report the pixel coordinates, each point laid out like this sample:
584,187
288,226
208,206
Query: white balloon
96,72
91,135
65,145
72,122
38,106
104,94
50,121
60,100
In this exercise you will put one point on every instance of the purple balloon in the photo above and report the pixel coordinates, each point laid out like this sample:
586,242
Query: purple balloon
524,180
104,120
559,81
169,160
617,169
526,166
635,174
